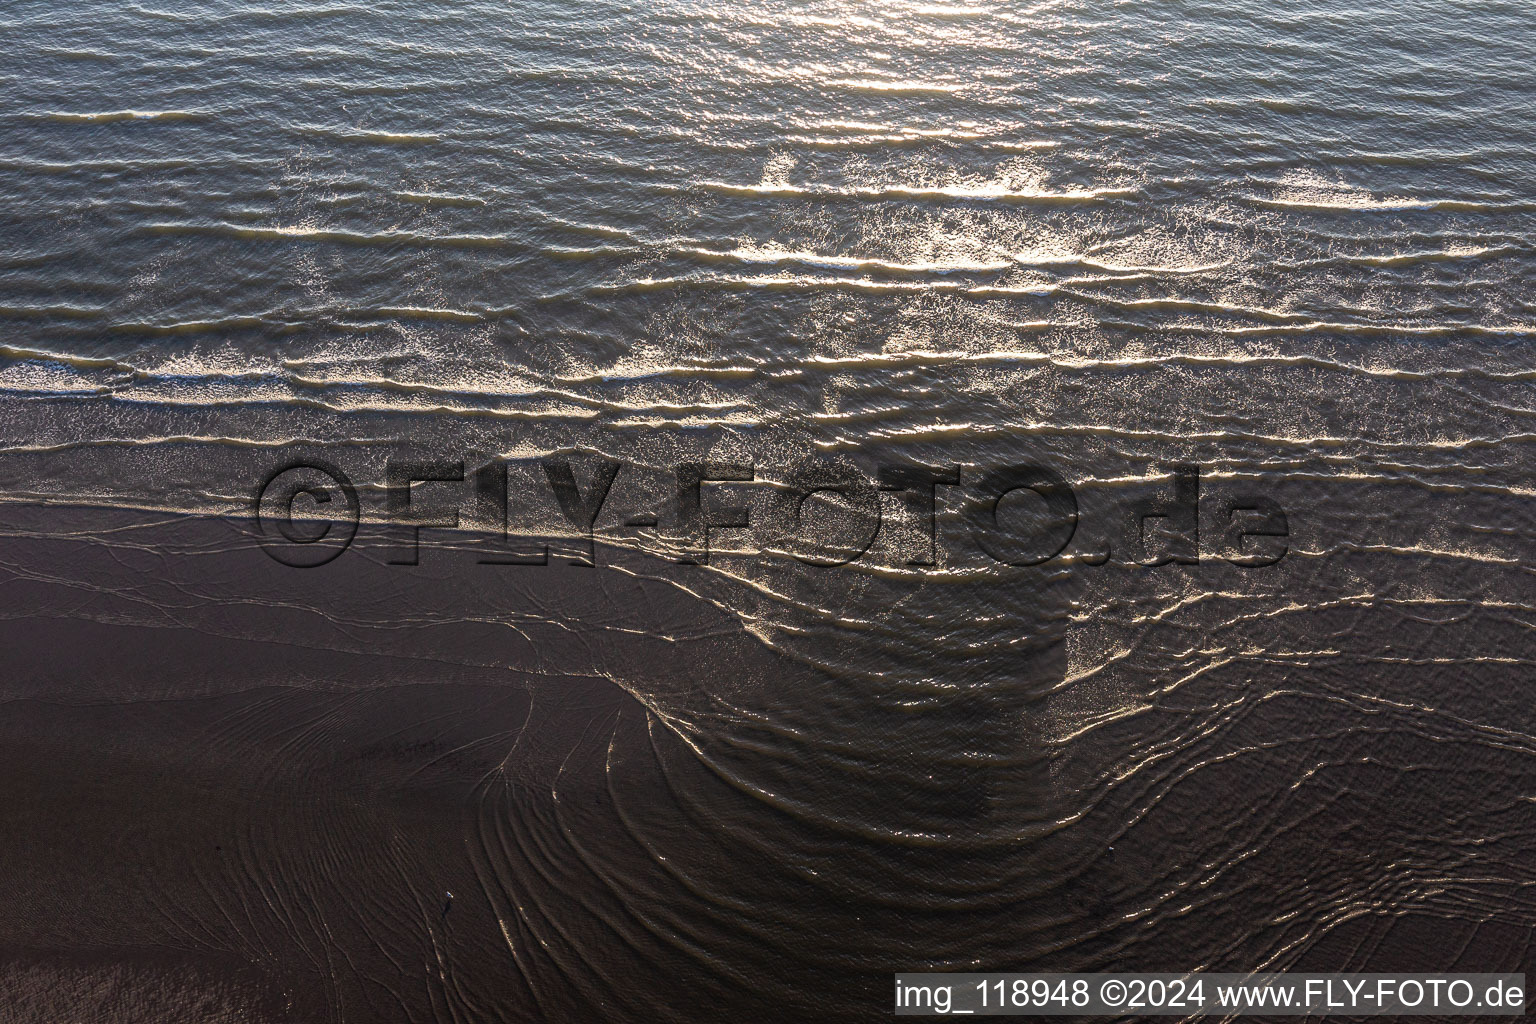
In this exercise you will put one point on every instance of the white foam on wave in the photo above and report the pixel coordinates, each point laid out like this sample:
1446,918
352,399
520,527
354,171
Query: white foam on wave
369,134
807,283
993,190
113,116
895,86
1311,191
324,234
775,256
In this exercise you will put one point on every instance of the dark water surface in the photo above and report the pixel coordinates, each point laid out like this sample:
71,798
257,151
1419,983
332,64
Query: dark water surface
1289,244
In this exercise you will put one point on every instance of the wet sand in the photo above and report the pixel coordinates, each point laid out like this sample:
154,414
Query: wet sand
238,791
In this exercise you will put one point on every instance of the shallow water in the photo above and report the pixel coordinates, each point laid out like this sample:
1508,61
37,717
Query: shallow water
1291,247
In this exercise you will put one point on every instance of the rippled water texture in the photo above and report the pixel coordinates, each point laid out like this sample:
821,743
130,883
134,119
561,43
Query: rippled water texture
1290,244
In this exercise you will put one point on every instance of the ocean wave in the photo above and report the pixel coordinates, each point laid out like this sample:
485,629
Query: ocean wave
1153,270
69,53
67,310
1369,204
798,282
988,191
1340,327
440,199
596,230
114,116
1073,361
949,265
1179,304
108,166
898,87
883,141
392,236
252,13
381,136
1405,259
65,359
814,259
